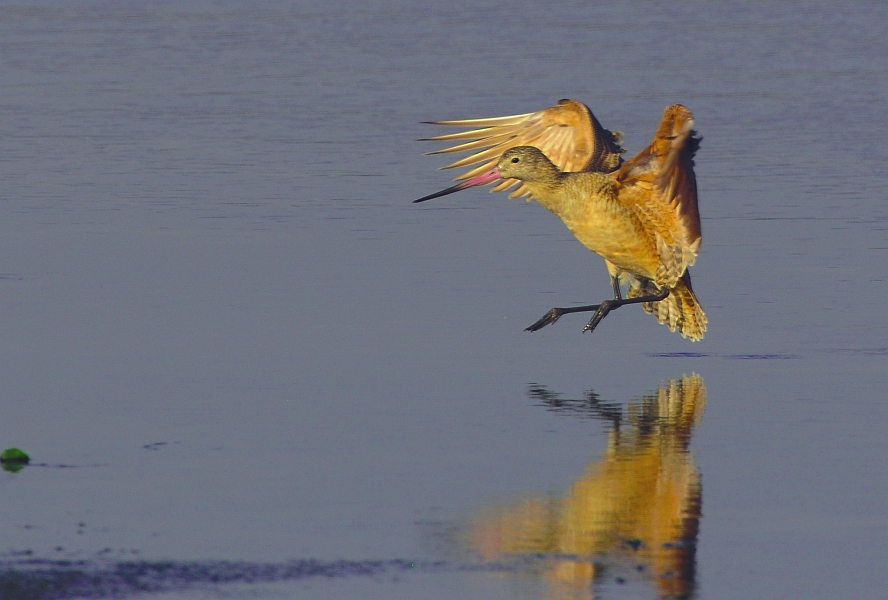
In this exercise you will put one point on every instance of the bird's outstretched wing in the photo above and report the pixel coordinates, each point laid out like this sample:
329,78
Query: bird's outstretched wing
568,133
662,176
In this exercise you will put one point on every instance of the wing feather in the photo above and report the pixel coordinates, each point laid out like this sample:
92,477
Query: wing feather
488,122
474,145
665,170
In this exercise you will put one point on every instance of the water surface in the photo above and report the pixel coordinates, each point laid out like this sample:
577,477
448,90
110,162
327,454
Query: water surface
244,363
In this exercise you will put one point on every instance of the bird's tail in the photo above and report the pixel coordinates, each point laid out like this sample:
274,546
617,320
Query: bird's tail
679,310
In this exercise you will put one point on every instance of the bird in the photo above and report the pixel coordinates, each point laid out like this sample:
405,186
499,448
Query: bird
640,215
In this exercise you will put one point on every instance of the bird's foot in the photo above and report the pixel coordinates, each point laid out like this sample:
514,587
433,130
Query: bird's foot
603,309
547,319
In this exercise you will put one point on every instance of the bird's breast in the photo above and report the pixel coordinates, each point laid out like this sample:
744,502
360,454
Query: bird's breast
589,206
619,240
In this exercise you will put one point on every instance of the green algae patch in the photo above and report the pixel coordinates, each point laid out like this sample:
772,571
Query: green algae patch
13,459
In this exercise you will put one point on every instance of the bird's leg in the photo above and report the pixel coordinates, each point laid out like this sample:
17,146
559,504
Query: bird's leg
606,306
601,310
556,313
618,301
615,282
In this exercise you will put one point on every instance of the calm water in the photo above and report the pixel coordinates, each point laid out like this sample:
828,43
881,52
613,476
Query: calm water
237,353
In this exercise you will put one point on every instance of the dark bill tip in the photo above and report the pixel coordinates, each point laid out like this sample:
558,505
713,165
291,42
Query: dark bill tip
484,179
449,190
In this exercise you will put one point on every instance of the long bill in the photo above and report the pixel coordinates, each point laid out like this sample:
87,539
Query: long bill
482,179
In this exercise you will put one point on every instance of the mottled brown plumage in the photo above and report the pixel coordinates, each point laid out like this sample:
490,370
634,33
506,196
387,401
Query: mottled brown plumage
642,218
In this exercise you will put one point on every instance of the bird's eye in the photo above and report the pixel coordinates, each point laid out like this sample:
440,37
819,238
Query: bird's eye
515,159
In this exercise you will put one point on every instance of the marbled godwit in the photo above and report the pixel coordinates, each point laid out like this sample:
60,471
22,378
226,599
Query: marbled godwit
641,216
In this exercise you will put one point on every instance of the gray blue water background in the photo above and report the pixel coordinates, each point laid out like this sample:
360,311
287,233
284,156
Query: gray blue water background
228,335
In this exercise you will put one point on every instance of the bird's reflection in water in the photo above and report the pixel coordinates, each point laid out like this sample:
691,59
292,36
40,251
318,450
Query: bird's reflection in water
630,520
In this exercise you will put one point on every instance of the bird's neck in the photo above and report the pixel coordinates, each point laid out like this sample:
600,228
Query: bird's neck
571,195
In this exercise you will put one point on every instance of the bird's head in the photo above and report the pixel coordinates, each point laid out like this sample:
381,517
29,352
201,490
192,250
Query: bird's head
524,163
